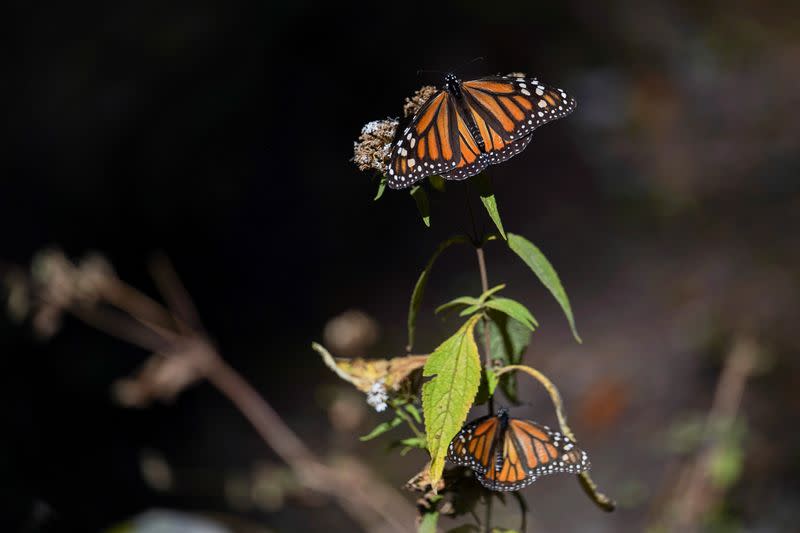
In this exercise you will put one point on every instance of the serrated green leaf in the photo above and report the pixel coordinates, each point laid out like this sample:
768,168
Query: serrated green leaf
381,188
422,281
456,369
538,263
508,340
514,309
424,207
489,202
428,522
380,429
437,182
461,300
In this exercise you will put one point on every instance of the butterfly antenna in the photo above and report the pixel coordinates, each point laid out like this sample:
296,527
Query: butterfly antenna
471,61
421,71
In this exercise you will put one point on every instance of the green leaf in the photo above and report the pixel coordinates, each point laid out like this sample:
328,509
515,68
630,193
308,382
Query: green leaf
422,281
470,310
380,429
508,340
725,465
538,263
491,380
485,296
415,442
428,522
472,304
489,202
421,198
381,188
446,398
461,300
437,182
514,309
414,412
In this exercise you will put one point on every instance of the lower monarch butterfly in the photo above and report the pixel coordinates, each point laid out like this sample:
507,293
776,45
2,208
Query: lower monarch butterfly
508,454
470,125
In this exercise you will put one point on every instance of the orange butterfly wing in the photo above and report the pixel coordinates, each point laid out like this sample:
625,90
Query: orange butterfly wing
525,452
505,112
541,452
429,145
490,123
473,445
512,108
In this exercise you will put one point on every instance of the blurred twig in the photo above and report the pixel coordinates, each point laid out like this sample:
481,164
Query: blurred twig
694,494
184,354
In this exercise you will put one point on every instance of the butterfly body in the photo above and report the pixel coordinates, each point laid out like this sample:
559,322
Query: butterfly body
470,125
453,86
508,454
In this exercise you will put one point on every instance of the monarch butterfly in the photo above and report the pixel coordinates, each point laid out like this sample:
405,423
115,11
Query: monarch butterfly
508,454
470,125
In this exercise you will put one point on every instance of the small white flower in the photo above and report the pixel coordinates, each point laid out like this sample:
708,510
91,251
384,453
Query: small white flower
376,397
371,127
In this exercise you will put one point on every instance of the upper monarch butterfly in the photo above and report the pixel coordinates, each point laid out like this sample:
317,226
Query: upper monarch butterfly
508,454
470,125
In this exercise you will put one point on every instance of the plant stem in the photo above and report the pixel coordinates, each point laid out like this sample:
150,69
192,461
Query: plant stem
487,356
475,239
487,527
402,414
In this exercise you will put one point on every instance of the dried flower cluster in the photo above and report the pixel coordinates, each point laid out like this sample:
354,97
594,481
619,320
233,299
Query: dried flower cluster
165,375
55,284
414,103
373,147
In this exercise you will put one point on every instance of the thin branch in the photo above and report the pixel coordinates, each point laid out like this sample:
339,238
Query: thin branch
402,414
178,300
475,239
523,509
136,303
296,454
487,517
487,361
694,494
136,318
555,396
122,327
487,356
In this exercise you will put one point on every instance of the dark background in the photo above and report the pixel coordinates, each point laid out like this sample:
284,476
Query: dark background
221,133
